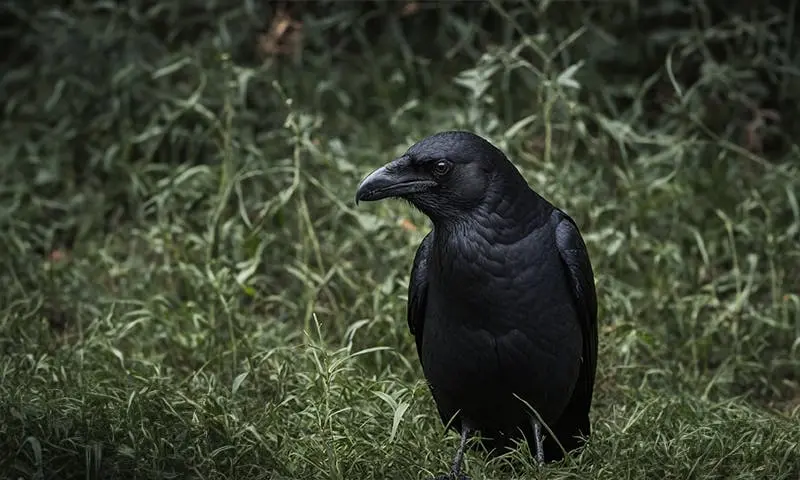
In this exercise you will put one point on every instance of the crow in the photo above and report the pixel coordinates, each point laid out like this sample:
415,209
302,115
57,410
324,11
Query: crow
501,298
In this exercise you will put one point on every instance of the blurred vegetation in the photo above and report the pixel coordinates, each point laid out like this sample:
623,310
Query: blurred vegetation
189,292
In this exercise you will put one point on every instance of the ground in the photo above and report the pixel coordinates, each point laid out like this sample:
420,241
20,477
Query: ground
189,290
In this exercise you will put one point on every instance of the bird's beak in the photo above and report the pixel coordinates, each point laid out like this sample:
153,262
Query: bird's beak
395,179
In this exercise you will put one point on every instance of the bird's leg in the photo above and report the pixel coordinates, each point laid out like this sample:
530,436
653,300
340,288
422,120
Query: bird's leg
537,435
455,472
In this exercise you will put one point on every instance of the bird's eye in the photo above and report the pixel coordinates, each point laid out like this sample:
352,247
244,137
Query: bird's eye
441,168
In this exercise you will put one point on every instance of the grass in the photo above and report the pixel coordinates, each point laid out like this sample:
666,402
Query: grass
190,292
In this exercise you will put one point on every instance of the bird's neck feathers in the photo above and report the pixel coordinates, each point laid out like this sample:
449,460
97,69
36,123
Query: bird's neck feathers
510,210
488,239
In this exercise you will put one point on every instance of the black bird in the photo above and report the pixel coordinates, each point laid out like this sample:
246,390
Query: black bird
501,300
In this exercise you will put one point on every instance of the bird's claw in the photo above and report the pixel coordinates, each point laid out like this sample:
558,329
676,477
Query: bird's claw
450,476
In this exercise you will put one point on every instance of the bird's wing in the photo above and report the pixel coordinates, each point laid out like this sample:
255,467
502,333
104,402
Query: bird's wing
581,278
418,291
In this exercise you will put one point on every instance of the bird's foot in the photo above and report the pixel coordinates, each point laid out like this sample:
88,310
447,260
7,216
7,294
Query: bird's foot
455,472
537,432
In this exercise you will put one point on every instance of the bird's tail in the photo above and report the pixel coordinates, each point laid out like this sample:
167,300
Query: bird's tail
571,430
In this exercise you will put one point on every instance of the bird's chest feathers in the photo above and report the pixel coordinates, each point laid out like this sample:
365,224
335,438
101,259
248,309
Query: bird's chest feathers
489,281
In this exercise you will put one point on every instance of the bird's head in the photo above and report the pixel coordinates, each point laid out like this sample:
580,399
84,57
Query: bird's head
445,175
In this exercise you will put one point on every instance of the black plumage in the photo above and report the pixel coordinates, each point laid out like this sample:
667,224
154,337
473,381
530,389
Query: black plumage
501,299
